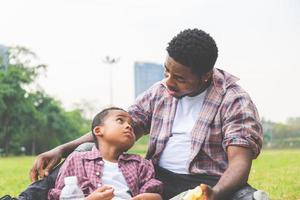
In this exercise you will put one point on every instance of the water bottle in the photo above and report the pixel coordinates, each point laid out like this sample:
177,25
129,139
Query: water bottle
71,191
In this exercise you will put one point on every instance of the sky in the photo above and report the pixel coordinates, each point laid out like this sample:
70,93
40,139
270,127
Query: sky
258,41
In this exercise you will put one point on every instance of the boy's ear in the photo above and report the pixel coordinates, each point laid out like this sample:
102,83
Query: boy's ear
98,130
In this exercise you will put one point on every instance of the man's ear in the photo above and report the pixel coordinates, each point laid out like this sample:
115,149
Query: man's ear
98,130
206,77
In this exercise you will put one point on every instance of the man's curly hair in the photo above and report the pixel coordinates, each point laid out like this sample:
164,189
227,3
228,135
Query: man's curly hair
195,49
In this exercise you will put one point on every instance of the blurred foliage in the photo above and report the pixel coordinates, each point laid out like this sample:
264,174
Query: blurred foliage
282,135
30,120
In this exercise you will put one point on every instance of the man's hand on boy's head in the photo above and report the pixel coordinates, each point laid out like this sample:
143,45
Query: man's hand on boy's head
147,196
44,163
102,193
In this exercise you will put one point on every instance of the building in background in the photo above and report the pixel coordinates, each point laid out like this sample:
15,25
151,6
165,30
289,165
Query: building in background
145,75
4,57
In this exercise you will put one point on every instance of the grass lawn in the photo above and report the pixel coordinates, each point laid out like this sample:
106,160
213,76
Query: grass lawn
278,173
275,171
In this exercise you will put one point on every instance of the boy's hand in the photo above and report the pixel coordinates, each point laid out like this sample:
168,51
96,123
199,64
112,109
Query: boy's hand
102,193
147,196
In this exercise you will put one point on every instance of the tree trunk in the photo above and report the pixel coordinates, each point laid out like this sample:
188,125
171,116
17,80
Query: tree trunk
6,138
33,146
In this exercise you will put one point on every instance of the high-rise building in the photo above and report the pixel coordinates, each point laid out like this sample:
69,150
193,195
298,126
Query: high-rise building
4,60
145,75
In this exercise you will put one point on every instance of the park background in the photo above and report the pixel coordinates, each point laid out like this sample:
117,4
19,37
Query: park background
57,79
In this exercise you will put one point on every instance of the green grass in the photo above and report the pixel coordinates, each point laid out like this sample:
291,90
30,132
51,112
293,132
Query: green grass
275,171
278,173
140,146
14,174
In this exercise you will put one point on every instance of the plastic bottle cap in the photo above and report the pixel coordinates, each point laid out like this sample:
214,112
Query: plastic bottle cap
70,180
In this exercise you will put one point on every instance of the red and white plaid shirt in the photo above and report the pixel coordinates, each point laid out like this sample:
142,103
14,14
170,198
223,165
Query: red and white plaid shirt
88,167
228,117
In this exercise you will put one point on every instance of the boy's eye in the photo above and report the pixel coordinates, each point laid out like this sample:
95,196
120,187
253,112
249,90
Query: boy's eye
119,120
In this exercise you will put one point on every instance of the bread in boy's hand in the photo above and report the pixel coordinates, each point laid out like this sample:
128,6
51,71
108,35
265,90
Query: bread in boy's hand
194,194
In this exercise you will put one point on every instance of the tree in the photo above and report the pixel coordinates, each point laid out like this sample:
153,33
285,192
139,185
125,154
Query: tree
15,107
28,116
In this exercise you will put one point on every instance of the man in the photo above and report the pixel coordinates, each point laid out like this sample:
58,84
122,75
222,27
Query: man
203,127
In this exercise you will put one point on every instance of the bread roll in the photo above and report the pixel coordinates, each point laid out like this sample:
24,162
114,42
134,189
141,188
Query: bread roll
194,194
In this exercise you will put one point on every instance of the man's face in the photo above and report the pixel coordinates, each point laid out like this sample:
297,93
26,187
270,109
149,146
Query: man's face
181,81
117,129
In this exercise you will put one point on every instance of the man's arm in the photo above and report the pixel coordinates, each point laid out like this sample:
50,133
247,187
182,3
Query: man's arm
236,175
242,140
45,162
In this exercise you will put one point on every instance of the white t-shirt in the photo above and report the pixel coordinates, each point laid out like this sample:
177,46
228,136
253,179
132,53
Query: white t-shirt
113,177
176,154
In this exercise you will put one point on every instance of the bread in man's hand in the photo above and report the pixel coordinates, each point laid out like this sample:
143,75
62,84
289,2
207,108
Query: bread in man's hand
194,194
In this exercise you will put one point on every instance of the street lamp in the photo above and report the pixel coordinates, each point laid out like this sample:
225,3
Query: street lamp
110,61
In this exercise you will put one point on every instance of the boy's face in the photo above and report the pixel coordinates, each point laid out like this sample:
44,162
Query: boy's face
117,129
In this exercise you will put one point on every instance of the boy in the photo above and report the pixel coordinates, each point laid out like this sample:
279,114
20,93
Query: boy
107,172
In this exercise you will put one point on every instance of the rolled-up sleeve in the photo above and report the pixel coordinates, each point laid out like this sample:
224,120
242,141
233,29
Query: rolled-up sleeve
241,125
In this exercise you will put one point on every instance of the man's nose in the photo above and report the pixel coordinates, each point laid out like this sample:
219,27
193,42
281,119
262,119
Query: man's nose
170,82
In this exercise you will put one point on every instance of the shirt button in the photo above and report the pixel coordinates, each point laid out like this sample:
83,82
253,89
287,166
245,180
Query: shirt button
97,173
100,162
99,185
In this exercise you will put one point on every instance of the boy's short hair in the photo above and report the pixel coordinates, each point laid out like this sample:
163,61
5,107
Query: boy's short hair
100,118
195,49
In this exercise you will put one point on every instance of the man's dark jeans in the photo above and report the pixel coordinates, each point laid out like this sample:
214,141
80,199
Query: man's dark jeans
39,189
178,183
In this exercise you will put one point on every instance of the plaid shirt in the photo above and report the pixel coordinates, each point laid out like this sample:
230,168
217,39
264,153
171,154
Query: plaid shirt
228,117
88,166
